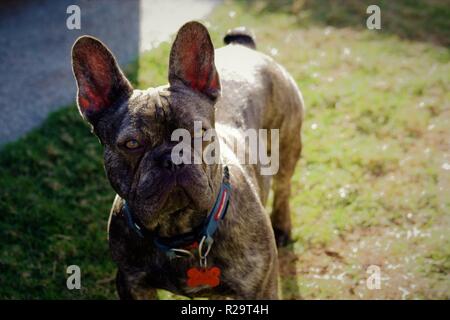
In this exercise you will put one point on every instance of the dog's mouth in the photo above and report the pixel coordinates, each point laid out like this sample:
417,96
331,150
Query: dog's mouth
173,204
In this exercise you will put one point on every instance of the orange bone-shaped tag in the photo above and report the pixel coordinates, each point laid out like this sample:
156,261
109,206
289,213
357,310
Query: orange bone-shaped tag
198,277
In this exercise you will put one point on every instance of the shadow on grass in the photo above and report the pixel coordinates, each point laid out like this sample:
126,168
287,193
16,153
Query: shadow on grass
288,273
54,206
427,21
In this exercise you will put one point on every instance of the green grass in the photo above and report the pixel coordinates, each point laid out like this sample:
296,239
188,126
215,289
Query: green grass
371,187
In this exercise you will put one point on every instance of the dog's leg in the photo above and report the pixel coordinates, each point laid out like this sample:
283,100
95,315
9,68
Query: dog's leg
289,152
262,280
133,289
122,289
269,291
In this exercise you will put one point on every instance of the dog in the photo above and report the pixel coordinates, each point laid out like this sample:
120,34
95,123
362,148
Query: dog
198,230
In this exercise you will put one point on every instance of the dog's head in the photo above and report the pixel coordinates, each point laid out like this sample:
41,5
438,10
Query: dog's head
135,126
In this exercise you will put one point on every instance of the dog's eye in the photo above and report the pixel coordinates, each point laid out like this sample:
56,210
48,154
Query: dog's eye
132,144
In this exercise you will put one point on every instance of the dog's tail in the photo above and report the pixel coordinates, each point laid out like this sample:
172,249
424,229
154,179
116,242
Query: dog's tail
242,36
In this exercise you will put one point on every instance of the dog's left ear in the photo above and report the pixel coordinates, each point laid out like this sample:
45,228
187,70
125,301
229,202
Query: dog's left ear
192,60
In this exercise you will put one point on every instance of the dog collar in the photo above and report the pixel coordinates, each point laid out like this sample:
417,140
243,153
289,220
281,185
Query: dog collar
202,234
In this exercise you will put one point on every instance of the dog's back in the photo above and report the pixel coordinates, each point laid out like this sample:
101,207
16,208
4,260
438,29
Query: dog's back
258,93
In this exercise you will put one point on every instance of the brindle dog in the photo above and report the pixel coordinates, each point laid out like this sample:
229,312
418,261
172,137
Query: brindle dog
231,89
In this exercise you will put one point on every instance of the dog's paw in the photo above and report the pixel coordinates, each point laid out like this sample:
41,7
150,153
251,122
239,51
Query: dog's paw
282,238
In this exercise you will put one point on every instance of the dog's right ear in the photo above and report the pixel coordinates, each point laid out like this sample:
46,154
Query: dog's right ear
101,83
192,60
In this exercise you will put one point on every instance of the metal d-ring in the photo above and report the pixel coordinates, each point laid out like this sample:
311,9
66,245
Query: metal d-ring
200,248
185,252
203,262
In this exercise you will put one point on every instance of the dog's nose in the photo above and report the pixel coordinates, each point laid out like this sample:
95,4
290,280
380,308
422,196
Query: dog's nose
167,163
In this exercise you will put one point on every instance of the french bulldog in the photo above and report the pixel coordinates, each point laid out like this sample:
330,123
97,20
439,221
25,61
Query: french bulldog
195,229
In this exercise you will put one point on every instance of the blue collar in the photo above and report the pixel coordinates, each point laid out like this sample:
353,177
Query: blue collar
203,233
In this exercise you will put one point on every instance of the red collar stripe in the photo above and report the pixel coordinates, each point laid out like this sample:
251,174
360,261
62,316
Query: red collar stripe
221,205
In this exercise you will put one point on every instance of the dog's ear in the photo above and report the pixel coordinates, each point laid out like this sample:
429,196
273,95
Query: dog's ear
192,60
101,83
